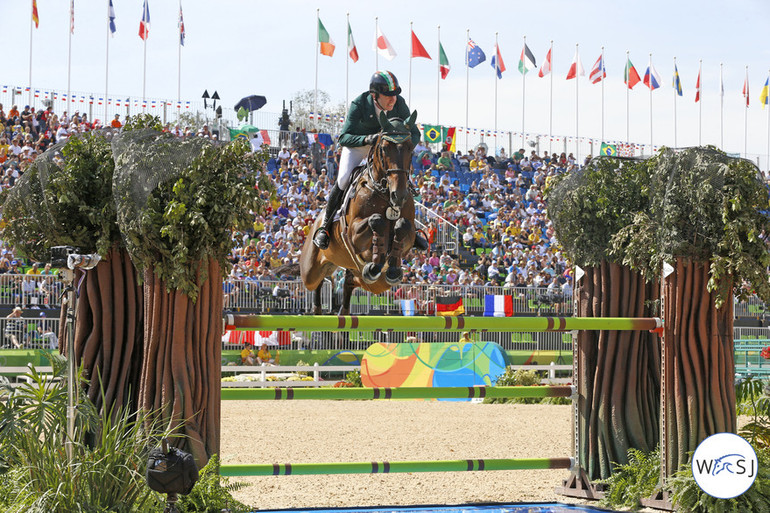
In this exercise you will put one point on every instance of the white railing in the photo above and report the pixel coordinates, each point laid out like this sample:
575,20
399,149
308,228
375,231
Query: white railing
447,234
271,296
30,291
30,332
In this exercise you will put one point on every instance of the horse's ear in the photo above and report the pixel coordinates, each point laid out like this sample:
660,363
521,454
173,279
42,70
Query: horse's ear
411,119
386,125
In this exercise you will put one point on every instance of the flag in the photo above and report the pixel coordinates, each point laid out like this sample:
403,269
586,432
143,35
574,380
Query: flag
449,306
144,25
265,137
450,135
677,82
181,26
545,69
383,46
352,45
111,16
697,88
408,307
497,62
417,49
598,73
474,55
498,306
327,45
527,60
35,17
72,16
630,76
746,87
763,95
237,133
443,62
576,68
608,150
433,133
651,78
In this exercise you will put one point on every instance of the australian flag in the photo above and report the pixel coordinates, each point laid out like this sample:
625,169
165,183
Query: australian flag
474,55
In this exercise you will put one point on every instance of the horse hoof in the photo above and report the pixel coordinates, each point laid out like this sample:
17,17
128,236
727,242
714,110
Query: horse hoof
371,272
394,275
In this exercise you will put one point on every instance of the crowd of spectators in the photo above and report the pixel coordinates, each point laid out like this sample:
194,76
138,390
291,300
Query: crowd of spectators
496,203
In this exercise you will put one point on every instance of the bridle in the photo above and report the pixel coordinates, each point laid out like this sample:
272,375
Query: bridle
377,157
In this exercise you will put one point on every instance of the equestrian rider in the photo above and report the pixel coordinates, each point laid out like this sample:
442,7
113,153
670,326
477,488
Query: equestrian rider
358,134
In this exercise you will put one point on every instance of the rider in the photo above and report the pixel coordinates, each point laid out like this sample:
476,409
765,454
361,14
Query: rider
358,134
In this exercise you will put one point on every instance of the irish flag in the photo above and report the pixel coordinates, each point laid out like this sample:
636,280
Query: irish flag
325,40
498,306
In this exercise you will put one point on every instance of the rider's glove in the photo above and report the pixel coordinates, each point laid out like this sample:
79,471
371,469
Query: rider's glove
370,139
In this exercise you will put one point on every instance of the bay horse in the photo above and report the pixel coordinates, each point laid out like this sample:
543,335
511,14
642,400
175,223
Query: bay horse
376,227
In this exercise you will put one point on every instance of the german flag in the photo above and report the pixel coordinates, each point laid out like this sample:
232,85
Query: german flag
449,306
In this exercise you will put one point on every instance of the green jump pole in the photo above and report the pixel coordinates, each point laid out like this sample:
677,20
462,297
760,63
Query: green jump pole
399,323
244,394
386,467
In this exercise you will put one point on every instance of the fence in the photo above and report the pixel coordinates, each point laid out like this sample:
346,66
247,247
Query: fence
31,290
30,332
447,234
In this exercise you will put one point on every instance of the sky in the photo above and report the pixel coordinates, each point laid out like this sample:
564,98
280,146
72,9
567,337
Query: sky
243,47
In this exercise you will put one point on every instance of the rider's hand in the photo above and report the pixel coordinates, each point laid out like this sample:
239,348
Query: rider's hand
370,139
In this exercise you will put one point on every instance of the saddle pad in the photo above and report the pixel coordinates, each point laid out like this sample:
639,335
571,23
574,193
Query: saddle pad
350,192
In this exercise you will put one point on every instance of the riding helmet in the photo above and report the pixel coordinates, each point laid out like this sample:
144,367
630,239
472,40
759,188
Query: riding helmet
384,82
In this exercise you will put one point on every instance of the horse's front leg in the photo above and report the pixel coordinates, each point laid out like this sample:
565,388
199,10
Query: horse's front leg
401,232
347,291
379,226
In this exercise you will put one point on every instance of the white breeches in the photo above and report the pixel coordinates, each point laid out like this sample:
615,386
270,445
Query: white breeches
349,159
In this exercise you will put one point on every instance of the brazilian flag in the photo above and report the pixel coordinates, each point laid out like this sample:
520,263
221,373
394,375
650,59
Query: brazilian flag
609,150
237,133
434,133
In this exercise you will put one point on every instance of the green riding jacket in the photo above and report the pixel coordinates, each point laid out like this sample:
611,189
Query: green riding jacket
362,120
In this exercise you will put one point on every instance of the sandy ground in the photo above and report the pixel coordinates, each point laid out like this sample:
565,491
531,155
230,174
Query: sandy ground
330,431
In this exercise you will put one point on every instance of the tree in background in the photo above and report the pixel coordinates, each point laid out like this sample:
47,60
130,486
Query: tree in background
65,199
302,106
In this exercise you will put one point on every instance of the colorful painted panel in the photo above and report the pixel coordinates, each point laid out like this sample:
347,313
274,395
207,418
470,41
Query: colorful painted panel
433,365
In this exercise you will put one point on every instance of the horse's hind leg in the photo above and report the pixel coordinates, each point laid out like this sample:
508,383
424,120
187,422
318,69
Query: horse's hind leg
401,231
347,292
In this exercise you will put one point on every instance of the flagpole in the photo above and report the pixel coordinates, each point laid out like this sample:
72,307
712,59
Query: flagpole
317,51
347,61
628,81
497,66
766,105
700,102
438,76
31,26
550,105
524,96
376,53
721,110
650,88
411,54
107,65
676,93
179,64
602,75
577,103
69,55
467,82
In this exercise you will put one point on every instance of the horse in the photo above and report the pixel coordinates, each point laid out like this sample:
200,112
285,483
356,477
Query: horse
376,227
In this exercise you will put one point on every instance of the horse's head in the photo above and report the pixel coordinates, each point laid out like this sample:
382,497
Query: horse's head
392,157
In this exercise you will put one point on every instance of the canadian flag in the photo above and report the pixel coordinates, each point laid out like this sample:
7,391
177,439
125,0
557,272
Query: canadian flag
383,46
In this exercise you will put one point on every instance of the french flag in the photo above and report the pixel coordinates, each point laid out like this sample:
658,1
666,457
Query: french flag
498,306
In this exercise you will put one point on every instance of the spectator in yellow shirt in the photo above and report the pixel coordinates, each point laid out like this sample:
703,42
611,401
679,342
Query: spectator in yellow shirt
246,355
264,356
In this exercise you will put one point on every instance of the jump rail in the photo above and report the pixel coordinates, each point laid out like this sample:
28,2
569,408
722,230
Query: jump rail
390,467
396,393
398,323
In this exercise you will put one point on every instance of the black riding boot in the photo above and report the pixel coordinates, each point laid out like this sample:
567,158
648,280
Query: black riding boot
322,236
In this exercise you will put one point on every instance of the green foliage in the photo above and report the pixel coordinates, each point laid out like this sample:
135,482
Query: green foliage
109,453
753,398
67,200
633,481
189,216
211,493
688,497
142,121
353,378
512,378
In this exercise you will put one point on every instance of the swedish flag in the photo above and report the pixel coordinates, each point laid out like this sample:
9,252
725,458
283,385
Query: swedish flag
609,150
